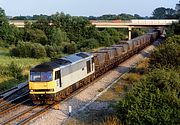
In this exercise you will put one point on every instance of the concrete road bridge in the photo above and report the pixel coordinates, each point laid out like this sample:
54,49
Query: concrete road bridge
135,23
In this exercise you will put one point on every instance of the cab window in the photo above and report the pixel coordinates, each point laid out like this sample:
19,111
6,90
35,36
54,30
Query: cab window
41,76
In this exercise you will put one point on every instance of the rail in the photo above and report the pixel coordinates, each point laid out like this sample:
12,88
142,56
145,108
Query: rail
7,104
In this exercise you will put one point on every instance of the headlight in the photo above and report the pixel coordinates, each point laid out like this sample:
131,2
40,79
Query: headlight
31,90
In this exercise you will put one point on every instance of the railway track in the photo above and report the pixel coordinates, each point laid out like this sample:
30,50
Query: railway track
8,106
27,115
32,112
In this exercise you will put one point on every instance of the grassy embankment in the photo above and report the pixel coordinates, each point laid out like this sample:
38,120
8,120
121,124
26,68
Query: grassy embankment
7,81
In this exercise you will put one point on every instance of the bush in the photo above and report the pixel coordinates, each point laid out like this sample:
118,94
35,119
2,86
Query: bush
70,48
168,54
54,52
88,44
28,49
51,51
153,100
14,52
23,49
15,71
38,51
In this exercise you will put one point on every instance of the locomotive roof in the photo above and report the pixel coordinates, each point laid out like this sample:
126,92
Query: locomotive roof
48,66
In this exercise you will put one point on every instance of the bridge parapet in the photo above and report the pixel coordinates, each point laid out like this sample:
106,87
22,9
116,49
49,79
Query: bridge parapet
153,22
134,22
115,23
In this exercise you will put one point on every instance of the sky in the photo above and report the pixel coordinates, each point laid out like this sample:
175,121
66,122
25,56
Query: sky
83,7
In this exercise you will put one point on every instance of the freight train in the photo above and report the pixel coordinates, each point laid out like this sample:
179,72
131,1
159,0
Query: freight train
54,81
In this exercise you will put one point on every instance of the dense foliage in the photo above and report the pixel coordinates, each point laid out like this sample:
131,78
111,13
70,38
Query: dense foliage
66,34
153,100
168,54
164,13
122,16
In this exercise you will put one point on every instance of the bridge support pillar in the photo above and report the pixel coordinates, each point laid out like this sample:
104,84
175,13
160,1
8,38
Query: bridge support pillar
129,35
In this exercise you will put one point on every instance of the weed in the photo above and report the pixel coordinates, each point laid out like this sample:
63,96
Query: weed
112,120
118,89
132,78
100,90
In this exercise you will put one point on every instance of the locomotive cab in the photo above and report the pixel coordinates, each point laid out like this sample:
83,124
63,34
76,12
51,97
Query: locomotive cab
42,82
49,82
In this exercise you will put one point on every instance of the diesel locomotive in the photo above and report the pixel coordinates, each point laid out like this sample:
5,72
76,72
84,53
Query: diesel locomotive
54,81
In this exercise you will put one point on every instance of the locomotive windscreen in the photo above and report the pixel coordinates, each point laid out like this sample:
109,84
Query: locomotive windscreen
40,76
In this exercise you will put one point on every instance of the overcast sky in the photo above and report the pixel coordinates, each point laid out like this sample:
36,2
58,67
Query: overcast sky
83,7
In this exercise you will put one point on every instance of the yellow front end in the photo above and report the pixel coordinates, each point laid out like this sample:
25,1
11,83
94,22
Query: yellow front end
42,87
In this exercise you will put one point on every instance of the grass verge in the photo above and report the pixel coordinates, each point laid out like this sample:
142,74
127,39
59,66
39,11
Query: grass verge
7,81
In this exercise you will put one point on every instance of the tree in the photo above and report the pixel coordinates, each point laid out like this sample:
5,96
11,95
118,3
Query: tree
104,38
42,23
124,16
163,13
57,37
88,44
138,16
159,13
170,13
36,36
8,33
3,18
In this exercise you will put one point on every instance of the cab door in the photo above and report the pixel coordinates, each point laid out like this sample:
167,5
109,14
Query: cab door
58,78
88,65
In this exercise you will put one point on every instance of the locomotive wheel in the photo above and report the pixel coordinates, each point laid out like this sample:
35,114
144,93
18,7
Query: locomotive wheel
71,89
63,95
68,91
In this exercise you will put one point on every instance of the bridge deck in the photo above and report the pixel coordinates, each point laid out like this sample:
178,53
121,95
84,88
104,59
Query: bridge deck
116,23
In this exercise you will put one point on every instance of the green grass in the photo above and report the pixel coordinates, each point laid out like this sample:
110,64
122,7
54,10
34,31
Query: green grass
6,59
6,81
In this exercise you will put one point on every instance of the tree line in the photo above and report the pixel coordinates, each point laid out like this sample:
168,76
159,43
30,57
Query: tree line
67,34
